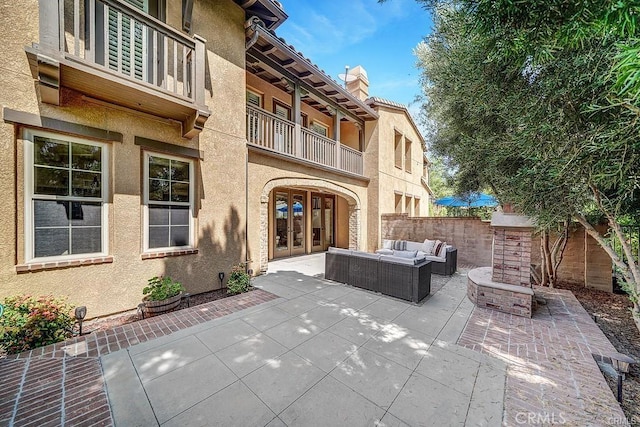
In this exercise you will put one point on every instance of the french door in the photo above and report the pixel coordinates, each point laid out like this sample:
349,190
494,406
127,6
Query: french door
289,223
322,221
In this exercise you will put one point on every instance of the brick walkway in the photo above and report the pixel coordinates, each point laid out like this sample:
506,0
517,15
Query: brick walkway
552,375
62,384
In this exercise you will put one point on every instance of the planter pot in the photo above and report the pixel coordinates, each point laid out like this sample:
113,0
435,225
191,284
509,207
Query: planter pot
157,307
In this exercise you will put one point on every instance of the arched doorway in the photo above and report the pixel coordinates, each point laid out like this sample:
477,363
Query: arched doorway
299,215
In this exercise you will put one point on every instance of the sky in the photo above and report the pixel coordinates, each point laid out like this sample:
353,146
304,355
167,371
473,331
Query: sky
379,37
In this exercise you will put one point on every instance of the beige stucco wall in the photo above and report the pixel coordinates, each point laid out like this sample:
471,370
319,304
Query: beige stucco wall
380,161
117,286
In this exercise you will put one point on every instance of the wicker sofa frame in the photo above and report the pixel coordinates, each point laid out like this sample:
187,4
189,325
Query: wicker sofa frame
411,282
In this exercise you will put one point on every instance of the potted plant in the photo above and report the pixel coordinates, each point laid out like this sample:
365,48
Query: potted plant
161,294
239,281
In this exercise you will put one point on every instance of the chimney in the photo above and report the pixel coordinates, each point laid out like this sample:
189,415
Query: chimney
359,87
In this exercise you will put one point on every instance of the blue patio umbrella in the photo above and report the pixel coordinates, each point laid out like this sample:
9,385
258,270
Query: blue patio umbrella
474,200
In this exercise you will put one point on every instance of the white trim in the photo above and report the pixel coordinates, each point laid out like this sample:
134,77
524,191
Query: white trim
29,222
145,207
320,125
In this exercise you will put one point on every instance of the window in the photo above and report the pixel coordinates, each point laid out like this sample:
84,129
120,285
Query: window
65,197
408,200
407,155
320,128
169,195
398,148
398,203
254,99
416,208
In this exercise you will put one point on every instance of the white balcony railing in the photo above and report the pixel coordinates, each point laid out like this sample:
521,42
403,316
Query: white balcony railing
272,132
119,38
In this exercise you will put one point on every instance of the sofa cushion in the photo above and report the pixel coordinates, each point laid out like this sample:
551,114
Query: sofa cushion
400,245
405,254
427,246
385,251
339,251
362,254
387,244
413,246
435,258
397,260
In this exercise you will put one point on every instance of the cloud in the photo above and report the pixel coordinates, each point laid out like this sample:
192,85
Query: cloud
321,28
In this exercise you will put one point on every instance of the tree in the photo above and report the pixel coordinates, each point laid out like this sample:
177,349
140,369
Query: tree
540,102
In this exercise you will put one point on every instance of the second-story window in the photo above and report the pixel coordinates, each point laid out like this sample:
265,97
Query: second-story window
407,155
320,128
398,148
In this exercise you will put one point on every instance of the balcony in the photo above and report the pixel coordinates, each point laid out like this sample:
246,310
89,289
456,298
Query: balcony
283,137
116,53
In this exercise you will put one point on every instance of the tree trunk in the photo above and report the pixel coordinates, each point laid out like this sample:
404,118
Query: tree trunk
551,257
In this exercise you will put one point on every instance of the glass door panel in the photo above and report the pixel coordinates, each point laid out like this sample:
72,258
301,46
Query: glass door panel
316,221
297,226
329,239
281,226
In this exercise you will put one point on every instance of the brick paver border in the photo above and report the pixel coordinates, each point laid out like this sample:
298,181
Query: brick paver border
63,383
552,374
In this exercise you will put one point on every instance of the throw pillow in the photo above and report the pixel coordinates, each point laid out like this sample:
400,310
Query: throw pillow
387,244
405,254
427,246
400,245
436,248
442,253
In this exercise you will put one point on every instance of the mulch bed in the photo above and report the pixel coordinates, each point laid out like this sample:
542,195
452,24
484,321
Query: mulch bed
613,316
130,316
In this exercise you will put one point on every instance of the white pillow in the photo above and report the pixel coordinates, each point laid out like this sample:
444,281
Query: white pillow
405,254
385,251
427,246
387,244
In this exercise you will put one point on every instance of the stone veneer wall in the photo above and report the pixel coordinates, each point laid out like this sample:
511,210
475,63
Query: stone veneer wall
584,262
512,256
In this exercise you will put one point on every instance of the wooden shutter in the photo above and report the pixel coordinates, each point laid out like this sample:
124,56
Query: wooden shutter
254,99
125,47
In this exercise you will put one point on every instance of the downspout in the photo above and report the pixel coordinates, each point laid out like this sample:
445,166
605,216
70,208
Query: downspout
250,24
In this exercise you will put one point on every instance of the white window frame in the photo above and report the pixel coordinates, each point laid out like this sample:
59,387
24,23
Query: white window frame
257,95
29,196
316,124
191,203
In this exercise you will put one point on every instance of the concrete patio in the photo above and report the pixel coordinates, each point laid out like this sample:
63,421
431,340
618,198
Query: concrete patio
321,354
304,351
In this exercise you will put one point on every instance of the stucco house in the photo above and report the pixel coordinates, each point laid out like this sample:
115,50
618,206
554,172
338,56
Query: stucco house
181,137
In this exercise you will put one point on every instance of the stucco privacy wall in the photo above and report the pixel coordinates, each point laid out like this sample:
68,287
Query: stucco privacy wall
266,173
584,262
220,225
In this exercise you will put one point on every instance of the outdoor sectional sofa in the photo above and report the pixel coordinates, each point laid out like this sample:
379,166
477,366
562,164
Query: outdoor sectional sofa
442,265
405,278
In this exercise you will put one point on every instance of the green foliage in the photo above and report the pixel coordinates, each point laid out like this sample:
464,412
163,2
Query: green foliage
239,281
161,288
539,102
29,322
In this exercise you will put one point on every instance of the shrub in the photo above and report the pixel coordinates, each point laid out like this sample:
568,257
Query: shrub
161,288
29,322
239,281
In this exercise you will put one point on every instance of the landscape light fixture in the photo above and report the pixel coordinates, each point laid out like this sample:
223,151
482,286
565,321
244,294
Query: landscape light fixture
221,277
80,313
621,363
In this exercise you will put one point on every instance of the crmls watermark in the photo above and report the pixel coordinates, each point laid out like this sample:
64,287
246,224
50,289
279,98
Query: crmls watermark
622,421
540,418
